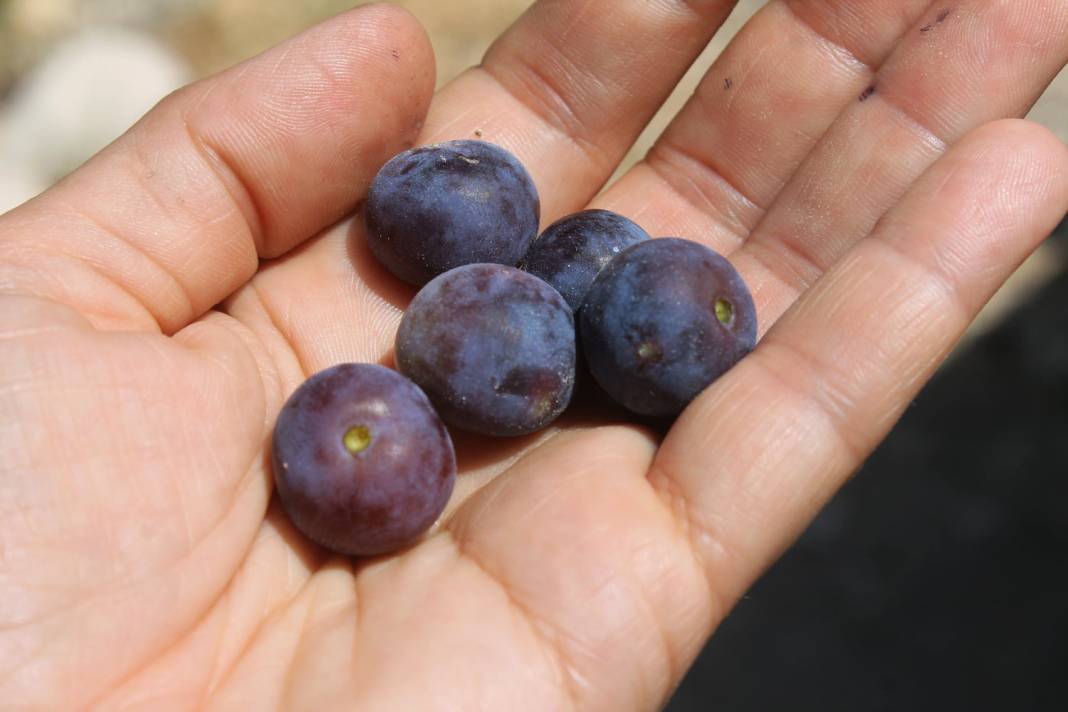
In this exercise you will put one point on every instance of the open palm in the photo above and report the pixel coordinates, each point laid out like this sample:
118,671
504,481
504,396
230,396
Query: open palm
160,304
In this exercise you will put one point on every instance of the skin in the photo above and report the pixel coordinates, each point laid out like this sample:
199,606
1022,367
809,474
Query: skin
580,569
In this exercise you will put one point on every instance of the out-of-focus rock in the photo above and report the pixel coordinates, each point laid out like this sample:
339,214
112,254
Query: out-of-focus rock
145,13
41,17
86,93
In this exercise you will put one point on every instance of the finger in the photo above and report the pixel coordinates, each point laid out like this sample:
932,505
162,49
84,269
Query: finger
757,113
960,67
172,217
567,89
939,74
751,461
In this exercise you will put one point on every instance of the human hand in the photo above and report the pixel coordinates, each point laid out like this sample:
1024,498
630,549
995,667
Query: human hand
141,563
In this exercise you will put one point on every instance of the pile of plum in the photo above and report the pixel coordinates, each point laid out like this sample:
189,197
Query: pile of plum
490,344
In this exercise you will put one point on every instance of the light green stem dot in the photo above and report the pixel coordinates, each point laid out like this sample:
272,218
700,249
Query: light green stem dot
648,351
724,311
356,439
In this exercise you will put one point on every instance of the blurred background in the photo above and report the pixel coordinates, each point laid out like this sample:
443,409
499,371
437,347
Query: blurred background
938,578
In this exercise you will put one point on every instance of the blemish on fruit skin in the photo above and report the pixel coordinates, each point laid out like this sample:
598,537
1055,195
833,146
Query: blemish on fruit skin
543,407
866,94
728,83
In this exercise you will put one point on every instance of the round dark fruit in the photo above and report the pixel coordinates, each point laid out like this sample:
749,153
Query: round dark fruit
574,249
662,321
493,347
433,208
362,463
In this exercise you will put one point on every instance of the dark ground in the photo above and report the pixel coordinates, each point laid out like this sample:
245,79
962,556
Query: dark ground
938,578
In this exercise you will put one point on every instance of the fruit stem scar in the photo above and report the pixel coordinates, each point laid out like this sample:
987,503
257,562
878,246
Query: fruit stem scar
356,439
648,351
724,311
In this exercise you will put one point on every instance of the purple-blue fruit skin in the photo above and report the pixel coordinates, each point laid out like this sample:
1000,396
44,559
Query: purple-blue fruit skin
493,347
572,251
650,332
433,208
381,498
